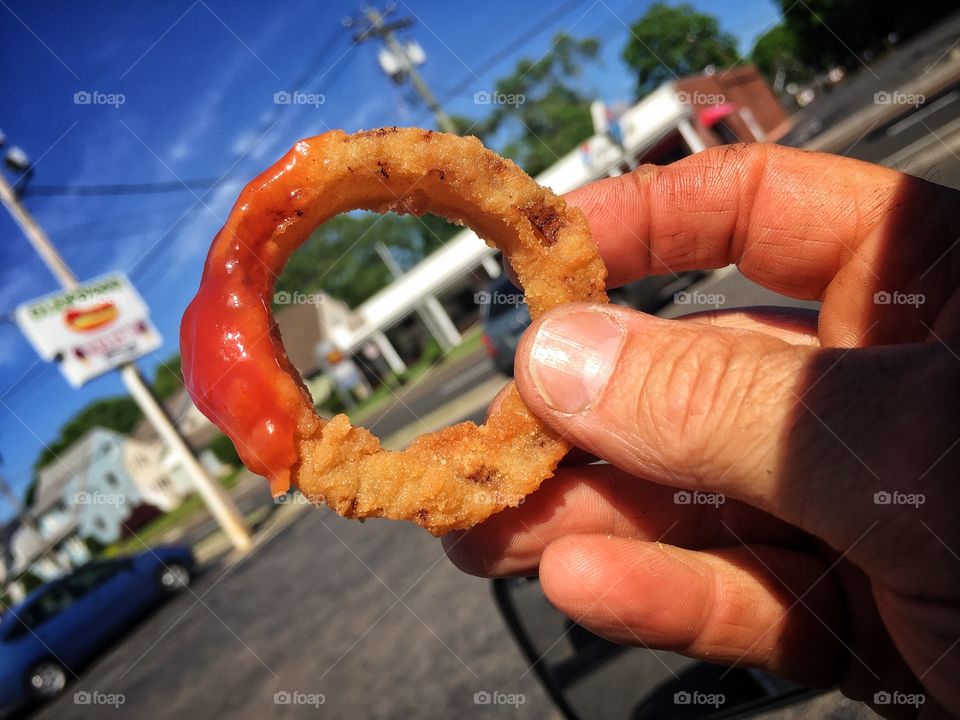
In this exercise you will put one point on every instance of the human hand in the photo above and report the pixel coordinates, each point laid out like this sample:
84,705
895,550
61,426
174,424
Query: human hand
787,423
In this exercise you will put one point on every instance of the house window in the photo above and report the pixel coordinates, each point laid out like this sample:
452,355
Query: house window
100,523
164,482
111,479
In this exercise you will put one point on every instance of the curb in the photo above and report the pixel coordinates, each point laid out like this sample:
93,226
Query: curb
851,129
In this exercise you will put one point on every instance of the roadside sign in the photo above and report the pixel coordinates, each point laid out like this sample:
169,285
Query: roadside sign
90,329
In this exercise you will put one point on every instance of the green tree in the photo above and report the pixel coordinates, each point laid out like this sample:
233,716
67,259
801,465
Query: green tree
340,257
168,377
120,413
540,108
830,32
225,451
672,41
778,50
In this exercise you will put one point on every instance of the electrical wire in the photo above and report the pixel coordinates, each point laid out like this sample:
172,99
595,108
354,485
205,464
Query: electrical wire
508,49
312,69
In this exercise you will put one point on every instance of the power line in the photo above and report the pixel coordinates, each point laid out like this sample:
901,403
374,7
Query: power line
505,51
313,68
125,188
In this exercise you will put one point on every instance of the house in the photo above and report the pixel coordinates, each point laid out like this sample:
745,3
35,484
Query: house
97,490
305,321
161,483
151,455
88,492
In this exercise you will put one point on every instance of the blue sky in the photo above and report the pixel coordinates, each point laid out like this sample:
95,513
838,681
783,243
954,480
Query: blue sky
198,80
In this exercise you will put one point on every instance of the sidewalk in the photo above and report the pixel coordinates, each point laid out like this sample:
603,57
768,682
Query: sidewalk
469,404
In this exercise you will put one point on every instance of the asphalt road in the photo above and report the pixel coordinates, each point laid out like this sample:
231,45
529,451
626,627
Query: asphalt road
922,140
907,63
430,392
917,133
249,499
356,620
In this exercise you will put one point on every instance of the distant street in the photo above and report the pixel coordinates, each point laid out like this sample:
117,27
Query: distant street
916,90
430,392
922,141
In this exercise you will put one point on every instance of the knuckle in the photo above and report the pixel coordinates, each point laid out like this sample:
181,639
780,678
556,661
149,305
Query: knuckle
694,398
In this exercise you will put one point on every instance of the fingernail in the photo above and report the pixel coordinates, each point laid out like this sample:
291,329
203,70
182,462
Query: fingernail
573,356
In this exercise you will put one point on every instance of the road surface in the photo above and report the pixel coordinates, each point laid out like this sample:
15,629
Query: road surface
342,618
430,392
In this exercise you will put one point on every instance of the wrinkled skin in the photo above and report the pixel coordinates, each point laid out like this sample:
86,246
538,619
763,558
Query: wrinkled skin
796,419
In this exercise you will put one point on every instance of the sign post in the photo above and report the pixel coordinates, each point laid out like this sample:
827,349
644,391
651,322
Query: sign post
91,328
102,325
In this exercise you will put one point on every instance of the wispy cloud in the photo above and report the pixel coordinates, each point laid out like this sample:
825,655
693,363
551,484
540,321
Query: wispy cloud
206,112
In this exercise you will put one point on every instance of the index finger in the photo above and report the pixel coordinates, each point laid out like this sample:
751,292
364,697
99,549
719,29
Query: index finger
790,219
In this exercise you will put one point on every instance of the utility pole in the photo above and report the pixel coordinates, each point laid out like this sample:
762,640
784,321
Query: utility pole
402,61
23,512
218,501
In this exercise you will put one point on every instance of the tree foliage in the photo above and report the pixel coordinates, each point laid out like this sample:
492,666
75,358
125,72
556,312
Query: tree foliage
668,42
118,413
224,450
539,106
168,377
340,257
830,32
778,50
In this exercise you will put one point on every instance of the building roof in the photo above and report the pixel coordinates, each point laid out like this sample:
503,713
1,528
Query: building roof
52,479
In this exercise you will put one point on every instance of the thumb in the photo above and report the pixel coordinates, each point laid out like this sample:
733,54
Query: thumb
794,430
666,400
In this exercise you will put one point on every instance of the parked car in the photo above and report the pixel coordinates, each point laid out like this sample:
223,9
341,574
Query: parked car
66,623
504,314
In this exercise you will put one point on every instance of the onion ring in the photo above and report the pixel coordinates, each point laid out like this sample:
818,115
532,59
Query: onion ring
238,373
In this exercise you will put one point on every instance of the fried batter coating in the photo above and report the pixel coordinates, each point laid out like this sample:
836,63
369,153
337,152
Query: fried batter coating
238,373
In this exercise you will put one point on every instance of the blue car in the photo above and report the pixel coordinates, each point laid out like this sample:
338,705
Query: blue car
504,314
66,623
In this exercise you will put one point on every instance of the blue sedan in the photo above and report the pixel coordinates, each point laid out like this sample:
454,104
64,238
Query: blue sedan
66,623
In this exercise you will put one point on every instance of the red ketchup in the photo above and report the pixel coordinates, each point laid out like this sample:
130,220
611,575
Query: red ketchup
234,366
